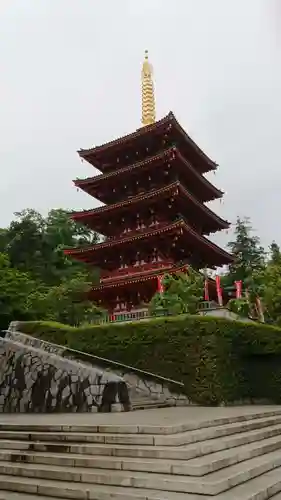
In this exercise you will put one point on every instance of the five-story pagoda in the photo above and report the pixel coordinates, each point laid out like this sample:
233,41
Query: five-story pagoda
154,217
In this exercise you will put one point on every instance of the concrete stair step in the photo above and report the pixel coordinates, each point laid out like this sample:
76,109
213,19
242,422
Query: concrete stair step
184,452
260,488
190,425
12,495
194,467
200,466
59,490
144,405
212,484
177,439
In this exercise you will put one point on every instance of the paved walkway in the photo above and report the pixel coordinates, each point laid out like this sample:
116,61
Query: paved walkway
157,417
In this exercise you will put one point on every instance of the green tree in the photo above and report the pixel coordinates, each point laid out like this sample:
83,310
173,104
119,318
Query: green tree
274,254
249,255
268,285
261,274
3,240
15,287
62,232
35,245
40,281
66,303
182,294
240,306
24,242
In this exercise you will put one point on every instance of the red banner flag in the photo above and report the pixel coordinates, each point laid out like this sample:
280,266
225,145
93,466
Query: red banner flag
238,285
160,286
219,290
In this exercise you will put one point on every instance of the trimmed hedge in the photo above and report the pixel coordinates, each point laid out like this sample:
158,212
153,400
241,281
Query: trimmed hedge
219,361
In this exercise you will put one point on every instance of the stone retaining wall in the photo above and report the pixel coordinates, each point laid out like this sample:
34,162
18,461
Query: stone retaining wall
34,380
141,385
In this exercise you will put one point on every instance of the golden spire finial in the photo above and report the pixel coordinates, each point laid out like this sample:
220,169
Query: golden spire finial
148,100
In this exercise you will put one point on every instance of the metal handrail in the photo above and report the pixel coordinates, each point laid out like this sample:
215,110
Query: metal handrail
105,360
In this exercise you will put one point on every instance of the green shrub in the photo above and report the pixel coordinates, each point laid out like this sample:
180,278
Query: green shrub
212,356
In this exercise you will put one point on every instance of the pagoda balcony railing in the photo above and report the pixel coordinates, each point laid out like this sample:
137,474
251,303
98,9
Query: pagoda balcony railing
129,315
144,313
136,270
121,316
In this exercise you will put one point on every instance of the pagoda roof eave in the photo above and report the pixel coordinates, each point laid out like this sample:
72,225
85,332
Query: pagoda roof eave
125,281
83,153
167,155
175,188
164,155
119,281
212,164
181,224
121,141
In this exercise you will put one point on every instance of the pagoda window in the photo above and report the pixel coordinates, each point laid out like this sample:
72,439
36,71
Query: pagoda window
137,261
154,255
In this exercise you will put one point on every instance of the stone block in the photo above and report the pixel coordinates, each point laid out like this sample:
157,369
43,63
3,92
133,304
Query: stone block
66,392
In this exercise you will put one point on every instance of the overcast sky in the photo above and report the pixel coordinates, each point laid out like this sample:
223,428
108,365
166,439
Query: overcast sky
70,78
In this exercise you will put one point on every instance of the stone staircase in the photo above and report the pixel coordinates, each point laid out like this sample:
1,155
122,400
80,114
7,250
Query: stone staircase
224,453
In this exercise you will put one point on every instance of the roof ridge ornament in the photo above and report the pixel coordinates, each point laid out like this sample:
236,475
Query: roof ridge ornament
148,98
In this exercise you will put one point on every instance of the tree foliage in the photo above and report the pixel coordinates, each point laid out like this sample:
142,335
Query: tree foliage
249,255
67,302
15,288
260,272
240,307
268,284
35,245
38,281
182,293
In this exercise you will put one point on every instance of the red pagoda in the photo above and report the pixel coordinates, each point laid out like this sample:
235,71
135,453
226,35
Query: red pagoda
154,216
